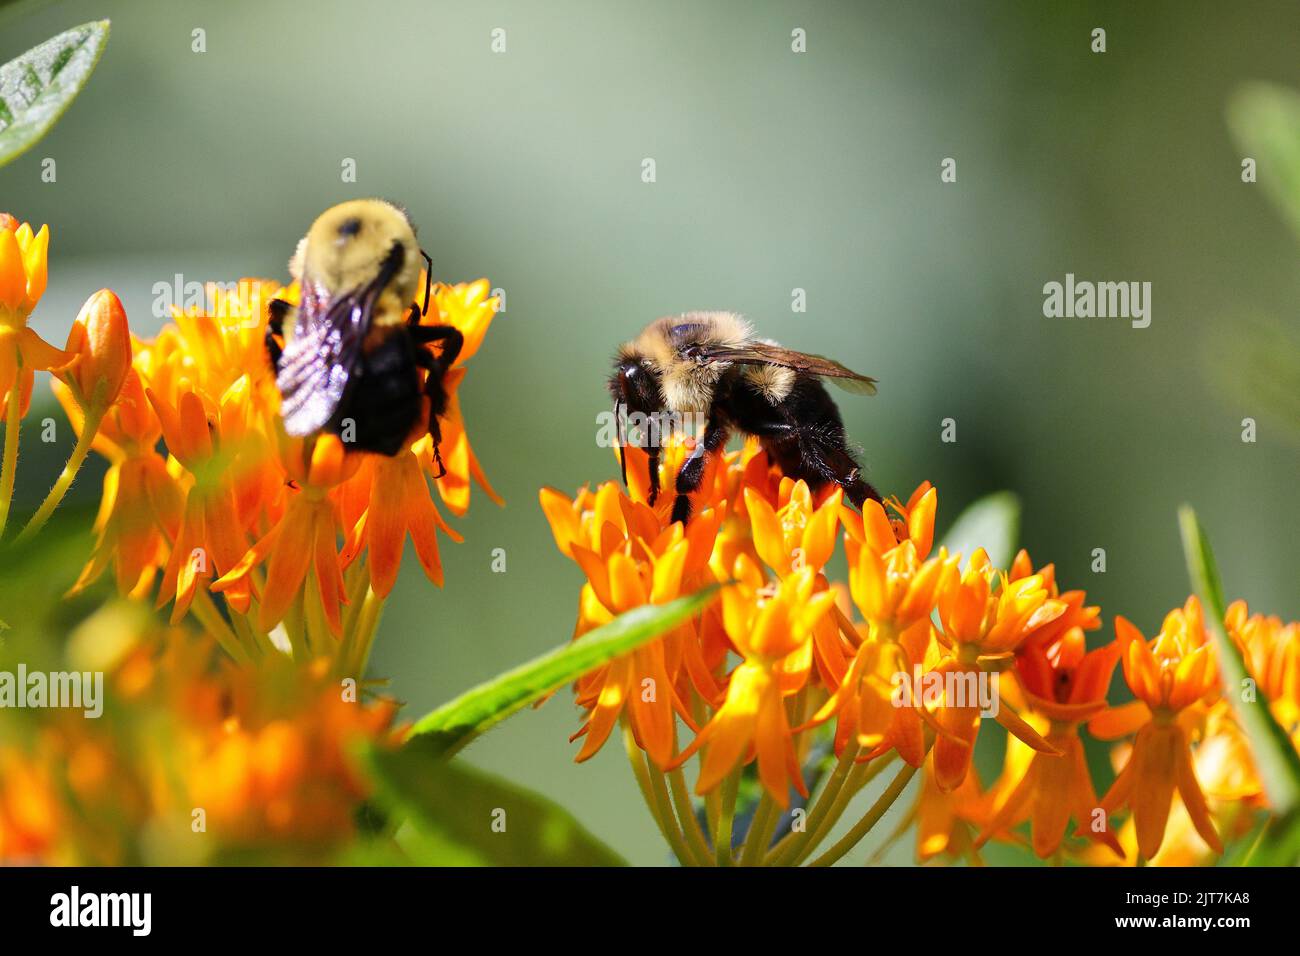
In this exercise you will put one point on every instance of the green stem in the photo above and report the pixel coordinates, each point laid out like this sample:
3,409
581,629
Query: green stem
87,437
212,621
760,831
659,787
785,851
13,425
355,582
295,626
372,608
722,839
872,817
695,838
245,634
660,813
712,799
261,640
859,777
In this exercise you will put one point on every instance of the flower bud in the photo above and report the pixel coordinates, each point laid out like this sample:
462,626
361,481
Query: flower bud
102,343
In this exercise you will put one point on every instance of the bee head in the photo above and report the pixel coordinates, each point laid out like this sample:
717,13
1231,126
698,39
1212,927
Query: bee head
635,384
348,243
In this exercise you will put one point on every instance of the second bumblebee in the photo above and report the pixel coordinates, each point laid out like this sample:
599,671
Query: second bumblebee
348,358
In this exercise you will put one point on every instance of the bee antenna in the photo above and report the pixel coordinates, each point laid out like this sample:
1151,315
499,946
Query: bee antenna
428,280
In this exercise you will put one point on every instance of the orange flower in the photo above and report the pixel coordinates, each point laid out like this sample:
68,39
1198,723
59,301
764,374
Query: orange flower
470,307
210,540
944,818
1075,614
23,272
30,823
627,564
141,506
772,634
985,617
1064,685
1168,675
1272,653
398,503
232,477
269,773
796,535
913,522
304,541
896,594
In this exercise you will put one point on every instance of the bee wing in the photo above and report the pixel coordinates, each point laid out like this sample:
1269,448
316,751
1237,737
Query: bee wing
319,359
765,353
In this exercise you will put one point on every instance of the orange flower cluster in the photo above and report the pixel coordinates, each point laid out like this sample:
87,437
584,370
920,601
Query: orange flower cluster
297,533
941,646
24,270
191,764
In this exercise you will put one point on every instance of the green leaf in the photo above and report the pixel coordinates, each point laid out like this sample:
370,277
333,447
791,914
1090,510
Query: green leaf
454,724
458,816
1265,121
38,86
992,523
1275,757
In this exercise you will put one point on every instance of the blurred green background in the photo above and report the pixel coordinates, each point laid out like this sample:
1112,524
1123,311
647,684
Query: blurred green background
775,171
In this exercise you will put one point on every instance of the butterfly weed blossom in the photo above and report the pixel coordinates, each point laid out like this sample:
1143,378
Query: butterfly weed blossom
794,690
756,729
280,551
259,762
273,544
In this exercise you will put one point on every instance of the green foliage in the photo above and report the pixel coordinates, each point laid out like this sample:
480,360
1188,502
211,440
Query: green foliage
38,86
992,523
1265,120
457,816
1275,757
456,723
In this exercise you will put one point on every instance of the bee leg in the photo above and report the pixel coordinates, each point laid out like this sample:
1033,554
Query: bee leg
692,473
276,309
838,466
436,366
450,337
654,475
435,430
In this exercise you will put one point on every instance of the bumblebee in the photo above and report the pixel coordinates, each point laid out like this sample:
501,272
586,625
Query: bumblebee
352,359
710,364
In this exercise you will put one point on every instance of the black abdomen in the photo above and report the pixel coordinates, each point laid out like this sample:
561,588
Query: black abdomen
802,434
382,403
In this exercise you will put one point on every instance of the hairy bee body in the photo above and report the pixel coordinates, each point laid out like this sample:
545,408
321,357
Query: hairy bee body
710,363
353,349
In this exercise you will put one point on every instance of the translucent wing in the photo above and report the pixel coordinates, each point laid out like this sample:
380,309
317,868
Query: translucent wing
765,353
319,360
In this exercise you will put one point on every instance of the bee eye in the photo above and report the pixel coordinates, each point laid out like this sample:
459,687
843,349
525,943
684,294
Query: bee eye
350,227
